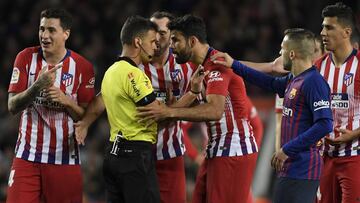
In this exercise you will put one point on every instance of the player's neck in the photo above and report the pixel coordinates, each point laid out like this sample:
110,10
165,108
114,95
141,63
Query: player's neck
54,58
132,53
159,61
341,54
300,66
199,53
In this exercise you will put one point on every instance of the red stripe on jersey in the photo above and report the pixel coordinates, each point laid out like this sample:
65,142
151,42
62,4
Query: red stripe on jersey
336,80
27,136
52,149
147,71
327,69
166,137
230,129
187,85
65,145
161,79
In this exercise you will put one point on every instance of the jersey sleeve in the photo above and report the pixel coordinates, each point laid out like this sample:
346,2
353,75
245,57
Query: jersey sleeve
138,85
218,80
86,91
317,94
19,76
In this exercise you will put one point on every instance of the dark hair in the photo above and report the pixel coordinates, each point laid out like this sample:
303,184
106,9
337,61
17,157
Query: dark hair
135,26
61,14
163,14
343,13
302,40
190,25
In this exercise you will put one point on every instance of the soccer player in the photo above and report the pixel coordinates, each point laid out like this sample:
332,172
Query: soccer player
129,168
306,116
51,86
231,152
165,74
340,180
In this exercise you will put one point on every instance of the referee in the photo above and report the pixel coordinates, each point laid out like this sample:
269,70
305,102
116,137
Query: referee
129,169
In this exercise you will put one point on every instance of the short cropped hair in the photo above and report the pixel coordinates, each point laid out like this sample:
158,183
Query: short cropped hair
163,14
301,40
190,25
61,14
343,13
135,26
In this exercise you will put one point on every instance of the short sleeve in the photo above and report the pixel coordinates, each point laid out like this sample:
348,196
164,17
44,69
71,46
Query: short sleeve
317,94
137,85
86,91
218,80
19,76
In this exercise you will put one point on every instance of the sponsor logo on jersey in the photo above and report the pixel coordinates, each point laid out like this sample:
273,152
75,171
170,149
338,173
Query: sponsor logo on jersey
91,83
215,76
15,76
321,105
348,79
67,79
339,101
287,111
292,93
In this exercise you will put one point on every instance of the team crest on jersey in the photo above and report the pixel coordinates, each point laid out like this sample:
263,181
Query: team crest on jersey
292,93
67,79
348,79
176,75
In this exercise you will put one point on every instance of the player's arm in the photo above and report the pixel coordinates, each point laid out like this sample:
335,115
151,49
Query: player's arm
210,111
266,67
56,95
278,118
93,111
345,136
19,101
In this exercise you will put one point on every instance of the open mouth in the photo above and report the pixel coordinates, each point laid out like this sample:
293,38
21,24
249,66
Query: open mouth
45,44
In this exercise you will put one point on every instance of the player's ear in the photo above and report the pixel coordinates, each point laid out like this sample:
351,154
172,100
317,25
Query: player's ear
66,34
292,54
347,32
137,42
192,41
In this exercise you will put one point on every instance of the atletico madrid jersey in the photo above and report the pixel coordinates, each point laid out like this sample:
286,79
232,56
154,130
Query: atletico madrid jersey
46,130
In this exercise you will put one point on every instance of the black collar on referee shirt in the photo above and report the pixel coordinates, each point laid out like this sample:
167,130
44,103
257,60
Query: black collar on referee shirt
127,59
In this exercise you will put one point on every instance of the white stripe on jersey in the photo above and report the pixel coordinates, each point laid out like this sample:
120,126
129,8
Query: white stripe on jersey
33,139
21,147
46,144
222,137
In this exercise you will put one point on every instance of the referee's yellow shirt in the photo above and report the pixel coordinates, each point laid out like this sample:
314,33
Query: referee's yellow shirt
123,85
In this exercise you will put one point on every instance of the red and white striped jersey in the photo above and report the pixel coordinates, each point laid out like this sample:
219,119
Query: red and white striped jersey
170,141
232,135
46,130
344,83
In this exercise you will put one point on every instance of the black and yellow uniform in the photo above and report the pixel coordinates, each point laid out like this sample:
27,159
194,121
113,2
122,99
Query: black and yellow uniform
129,169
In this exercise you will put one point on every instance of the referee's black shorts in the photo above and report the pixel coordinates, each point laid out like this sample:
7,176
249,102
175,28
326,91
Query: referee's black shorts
130,176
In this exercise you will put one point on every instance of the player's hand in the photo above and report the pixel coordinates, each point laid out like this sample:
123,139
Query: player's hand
197,79
56,95
170,98
81,130
151,113
277,66
278,160
46,77
222,58
345,136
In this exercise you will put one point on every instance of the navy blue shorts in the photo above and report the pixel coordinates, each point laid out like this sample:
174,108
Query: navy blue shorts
295,190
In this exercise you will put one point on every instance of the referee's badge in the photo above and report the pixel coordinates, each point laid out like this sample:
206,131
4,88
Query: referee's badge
292,93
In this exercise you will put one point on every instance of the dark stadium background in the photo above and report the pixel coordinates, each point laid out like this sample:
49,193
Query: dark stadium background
247,29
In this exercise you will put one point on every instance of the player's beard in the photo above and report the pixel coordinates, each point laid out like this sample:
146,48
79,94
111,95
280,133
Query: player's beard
183,56
287,64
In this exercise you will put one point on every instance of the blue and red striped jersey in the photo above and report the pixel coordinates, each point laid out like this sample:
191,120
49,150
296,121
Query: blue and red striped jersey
306,105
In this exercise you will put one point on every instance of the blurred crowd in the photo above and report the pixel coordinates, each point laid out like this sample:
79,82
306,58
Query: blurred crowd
246,29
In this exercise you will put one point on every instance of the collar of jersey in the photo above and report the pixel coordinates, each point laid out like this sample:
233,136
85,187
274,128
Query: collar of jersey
127,59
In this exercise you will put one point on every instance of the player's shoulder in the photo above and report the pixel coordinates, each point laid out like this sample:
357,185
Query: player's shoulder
210,65
320,60
314,78
80,59
28,51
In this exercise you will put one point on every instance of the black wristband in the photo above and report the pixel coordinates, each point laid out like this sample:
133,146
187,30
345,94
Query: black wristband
194,92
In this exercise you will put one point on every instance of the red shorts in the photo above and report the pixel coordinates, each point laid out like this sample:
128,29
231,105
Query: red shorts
225,179
340,180
38,182
171,178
